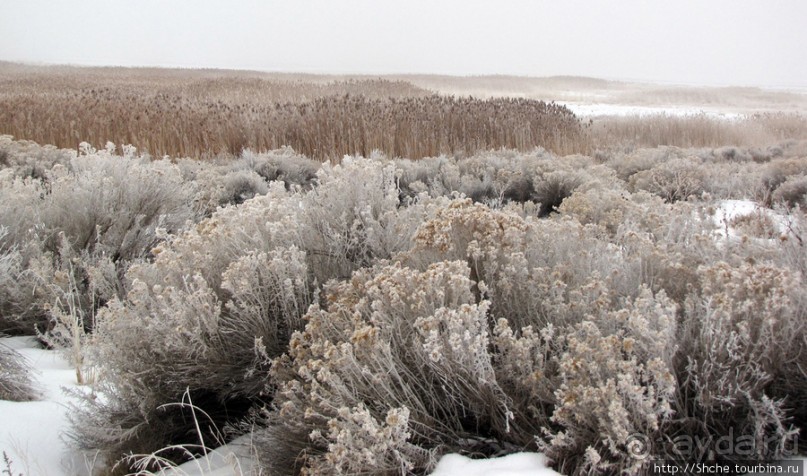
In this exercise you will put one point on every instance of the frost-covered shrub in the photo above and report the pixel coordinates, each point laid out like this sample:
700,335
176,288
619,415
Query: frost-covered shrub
792,243
601,206
113,205
735,154
793,191
354,217
21,299
217,302
230,186
530,275
26,159
15,379
617,380
261,224
164,340
394,371
228,180
282,164
758,225
777,172
672,180
733,180
627,165
740,359
103,209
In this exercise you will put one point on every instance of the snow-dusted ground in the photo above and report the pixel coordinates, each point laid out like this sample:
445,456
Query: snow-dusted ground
726,211
519,464
31,432
603,109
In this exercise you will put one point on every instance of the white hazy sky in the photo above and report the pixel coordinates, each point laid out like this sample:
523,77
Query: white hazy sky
715,42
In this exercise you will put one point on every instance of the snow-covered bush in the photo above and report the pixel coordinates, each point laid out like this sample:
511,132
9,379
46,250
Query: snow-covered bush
394,369
672,180
177,331
15,379
616,380
740,364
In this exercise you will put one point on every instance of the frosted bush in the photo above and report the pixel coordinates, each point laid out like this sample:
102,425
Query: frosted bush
27,159
604,207
672,180
627,165
354,217
21,299
530,275
104,209
114,206
282,164
165,339
617,380
395,368
261,224
740,357
793,191
15,378
221,186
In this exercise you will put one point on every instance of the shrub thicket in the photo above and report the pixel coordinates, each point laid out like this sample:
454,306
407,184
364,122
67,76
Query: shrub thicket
370,316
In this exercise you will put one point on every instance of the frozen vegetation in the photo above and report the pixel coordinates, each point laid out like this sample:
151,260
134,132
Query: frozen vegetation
371,317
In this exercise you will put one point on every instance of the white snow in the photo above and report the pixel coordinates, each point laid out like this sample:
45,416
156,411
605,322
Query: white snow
31,432
604,109
728,210
518,464
232,459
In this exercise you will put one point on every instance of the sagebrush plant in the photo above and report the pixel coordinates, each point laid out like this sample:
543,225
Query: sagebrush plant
217,349
99,209
740,366
616,380
16,383
405,357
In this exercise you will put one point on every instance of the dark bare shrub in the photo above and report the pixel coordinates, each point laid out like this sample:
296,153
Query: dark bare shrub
673,180
553,188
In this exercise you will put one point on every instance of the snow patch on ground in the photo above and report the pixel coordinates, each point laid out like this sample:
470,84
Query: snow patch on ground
31,432
235,458
728,210
602,109
519,464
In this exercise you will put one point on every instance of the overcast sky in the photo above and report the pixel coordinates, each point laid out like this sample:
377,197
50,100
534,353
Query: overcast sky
715,42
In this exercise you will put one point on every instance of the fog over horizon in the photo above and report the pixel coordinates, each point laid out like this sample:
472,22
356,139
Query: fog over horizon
715,43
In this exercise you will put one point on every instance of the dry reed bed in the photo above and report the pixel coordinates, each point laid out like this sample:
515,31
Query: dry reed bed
199,117
203,113
699,130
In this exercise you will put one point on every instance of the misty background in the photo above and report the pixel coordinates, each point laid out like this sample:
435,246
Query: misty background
696,42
